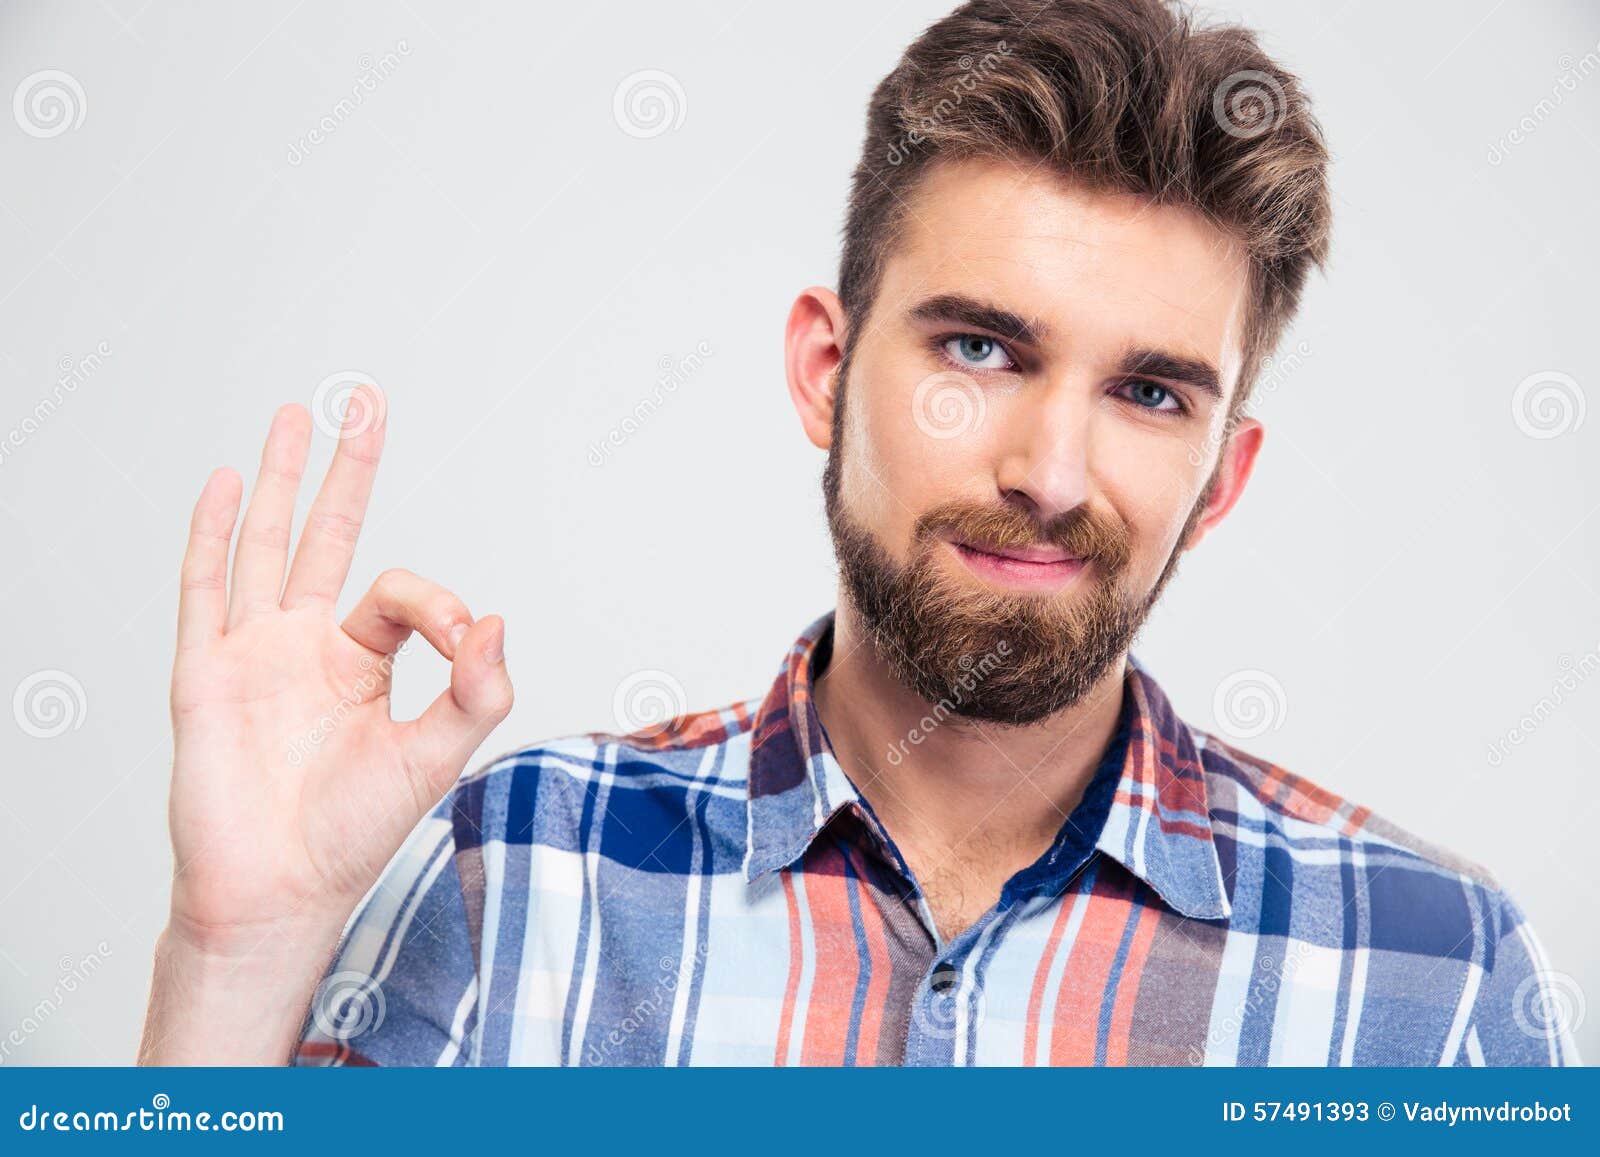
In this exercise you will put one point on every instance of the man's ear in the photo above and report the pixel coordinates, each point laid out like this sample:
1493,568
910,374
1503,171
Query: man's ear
813,345
1233,469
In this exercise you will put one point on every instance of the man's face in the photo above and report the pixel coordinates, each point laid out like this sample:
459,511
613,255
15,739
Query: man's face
1024,432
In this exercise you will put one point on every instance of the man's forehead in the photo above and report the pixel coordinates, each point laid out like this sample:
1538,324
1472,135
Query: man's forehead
1005,201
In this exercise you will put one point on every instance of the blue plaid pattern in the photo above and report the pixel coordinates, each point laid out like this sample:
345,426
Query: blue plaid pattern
717,892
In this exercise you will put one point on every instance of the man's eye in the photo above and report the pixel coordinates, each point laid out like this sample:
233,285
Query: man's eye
1151,395
977,352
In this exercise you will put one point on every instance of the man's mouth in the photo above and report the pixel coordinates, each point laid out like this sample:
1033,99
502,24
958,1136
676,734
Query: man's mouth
1021,567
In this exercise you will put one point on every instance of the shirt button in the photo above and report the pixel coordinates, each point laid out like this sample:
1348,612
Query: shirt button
940,1013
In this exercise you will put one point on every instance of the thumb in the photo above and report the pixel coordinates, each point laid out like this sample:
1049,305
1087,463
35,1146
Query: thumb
440,740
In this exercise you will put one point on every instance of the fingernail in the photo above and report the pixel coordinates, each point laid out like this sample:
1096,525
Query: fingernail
457,633
496,648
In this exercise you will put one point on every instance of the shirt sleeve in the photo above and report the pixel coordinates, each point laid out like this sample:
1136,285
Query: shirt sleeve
402,988
1525,1010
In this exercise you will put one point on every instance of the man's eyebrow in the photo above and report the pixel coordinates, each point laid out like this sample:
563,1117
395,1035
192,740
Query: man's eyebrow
958,309
1153,363
1140,361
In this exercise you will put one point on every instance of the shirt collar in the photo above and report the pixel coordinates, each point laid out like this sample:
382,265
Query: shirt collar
1158,825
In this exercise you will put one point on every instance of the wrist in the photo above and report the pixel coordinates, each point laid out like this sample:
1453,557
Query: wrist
234,998
246,947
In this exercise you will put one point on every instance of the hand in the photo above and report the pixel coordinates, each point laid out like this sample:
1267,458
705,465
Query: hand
291,785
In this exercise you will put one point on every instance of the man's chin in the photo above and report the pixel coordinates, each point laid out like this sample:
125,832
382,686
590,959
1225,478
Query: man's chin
984,671
983,650
1002,657
1003,704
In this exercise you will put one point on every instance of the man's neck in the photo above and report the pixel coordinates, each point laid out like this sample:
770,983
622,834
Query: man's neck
967,803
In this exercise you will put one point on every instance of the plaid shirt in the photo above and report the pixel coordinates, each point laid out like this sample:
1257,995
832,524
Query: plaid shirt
719,893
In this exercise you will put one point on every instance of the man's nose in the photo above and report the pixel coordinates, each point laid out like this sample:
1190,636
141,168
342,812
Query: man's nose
1045,460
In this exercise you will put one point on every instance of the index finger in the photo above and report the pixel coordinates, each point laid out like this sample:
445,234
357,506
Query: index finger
328,540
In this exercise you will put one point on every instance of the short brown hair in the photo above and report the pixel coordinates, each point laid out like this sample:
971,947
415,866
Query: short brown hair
1127,96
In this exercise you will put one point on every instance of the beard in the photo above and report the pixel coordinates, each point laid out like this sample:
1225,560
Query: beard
982,654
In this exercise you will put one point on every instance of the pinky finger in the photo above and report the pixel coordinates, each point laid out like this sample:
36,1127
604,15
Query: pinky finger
202,585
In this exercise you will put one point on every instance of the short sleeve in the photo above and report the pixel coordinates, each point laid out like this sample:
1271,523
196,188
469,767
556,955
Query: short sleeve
1525,1010
402,988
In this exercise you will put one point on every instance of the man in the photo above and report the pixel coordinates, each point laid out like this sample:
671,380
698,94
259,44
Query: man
964,825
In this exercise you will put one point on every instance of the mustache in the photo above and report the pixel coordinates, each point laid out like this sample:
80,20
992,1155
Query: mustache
1081,531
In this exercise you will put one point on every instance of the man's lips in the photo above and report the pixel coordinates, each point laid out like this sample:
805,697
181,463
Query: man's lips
1019,566
1035,554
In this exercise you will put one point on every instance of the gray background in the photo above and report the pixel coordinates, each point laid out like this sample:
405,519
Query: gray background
1411,572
